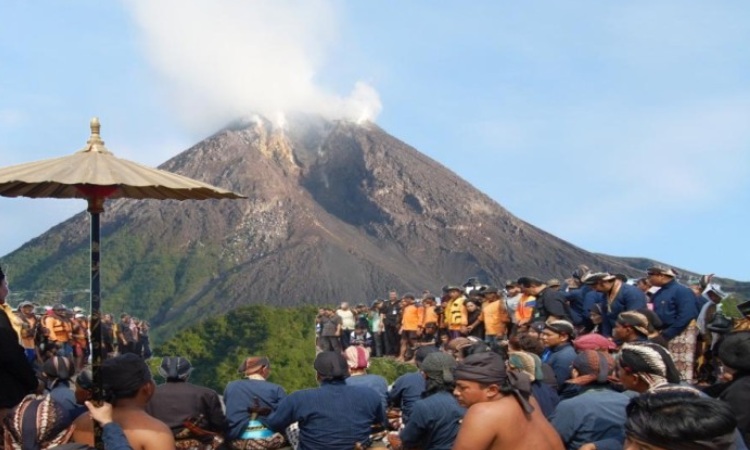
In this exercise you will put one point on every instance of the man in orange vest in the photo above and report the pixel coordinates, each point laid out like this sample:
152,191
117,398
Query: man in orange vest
29,329
455,312
412,317
60,330
496,318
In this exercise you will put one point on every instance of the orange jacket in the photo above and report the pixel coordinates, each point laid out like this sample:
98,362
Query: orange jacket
412,316
495,318
429,315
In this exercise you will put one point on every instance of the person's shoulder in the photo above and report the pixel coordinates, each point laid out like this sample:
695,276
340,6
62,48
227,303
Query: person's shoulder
486,411
362,391
83,422
378,379
407,376
202,389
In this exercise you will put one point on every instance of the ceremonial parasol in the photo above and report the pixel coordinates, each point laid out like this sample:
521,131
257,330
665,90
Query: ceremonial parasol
95,174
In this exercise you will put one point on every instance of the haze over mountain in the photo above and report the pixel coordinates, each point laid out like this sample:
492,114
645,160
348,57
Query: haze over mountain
336,211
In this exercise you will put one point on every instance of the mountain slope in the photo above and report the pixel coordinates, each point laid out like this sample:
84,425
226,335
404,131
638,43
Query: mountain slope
336,211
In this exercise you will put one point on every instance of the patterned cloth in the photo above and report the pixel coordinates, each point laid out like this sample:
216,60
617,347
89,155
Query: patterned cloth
37,422
276,441
682,348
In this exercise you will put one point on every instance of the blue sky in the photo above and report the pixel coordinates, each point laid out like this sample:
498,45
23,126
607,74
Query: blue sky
621,127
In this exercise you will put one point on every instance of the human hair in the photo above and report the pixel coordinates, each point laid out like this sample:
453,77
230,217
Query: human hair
680,419
530,344
529,282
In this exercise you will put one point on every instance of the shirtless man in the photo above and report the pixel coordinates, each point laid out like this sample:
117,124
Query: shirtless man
130,386
501,412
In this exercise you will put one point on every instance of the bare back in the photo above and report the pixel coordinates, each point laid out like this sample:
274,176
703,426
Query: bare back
142,431
502,424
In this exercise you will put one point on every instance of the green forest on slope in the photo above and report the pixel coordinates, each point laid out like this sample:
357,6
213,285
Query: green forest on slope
217,346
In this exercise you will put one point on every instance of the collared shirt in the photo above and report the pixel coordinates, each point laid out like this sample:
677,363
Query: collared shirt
628,298
676,306
434,423
332,417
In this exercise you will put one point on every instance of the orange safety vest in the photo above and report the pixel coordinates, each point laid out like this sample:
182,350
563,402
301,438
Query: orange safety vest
28,330
59,330
455,314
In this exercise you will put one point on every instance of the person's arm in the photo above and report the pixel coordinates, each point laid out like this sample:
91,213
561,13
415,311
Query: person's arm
478,430
413,433
215,414
282,417
564,421
480,319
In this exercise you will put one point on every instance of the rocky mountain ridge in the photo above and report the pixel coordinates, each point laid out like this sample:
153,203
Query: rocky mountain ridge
335,212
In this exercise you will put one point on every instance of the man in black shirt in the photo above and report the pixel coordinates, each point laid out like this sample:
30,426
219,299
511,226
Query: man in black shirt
391,316
550,304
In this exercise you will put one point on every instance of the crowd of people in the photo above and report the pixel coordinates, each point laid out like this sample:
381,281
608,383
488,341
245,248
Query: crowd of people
47,331
603,362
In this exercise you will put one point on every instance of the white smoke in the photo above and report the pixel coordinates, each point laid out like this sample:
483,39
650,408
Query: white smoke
224,59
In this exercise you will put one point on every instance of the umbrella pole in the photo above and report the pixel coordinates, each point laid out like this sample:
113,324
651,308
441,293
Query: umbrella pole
96,206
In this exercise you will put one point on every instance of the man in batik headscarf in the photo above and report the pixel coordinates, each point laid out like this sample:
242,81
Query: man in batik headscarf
501,412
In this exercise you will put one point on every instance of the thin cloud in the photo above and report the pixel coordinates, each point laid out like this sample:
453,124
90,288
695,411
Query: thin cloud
222,59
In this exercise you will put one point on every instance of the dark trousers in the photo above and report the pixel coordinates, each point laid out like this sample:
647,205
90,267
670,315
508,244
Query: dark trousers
377,343
392,340
346,337
330,343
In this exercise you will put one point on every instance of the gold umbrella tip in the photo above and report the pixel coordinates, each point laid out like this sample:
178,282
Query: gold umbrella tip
95,142
95,125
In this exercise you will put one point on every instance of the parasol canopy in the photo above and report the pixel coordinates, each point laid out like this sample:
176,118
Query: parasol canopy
95,174
94,168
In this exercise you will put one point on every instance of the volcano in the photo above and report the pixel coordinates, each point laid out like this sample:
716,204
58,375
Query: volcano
336,211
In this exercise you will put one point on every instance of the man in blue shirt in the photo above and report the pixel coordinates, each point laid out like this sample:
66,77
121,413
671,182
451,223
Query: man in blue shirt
615,296
556,337
436,418
677,308
251,392
408,388
333,416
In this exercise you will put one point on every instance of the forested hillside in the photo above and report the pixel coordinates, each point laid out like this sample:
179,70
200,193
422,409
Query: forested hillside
217,346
